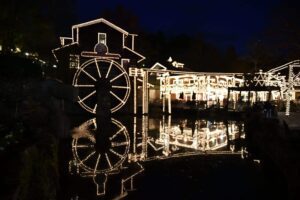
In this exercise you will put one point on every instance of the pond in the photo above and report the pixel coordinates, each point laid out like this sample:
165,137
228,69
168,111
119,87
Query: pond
147,158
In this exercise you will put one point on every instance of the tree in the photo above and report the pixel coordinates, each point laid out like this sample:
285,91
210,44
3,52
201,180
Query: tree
123,18
281,39
33,25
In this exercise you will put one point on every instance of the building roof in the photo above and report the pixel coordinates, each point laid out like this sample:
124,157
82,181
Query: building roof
168,66
100,20
158,66
141,57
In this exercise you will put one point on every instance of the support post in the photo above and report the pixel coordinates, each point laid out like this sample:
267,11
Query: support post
134,135
163,124
164,102
169,98
228,99
134,96
256,96
164,95
169,123
249,93
288,93
145,93
169,104
144,137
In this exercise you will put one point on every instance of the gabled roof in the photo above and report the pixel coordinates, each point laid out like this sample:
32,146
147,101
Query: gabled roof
168,66
157,65
136,53
62,47
75,41
100,20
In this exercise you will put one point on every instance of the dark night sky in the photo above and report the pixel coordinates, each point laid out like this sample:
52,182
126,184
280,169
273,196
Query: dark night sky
222,22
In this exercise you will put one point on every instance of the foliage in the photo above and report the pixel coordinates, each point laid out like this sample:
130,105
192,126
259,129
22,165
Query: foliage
33,25
25,125
279,42
10,135
39,174
15,74
123,18
190,49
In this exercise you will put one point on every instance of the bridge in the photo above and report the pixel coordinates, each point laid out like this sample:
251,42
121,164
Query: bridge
215,85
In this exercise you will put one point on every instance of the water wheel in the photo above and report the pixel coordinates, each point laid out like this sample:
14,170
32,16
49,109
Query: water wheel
95,160
108,74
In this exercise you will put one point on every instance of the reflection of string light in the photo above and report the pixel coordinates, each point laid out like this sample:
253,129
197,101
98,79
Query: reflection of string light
79,144
171,141
166,153
232,147
256,161
244,153
201,139
185,139
99,173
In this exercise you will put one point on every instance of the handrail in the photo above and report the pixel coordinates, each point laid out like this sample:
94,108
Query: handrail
281,67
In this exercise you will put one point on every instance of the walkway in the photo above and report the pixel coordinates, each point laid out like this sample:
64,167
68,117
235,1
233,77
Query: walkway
293,121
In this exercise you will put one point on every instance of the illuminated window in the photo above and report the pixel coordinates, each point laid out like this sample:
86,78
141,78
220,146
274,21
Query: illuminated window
74,61
102,38
125,63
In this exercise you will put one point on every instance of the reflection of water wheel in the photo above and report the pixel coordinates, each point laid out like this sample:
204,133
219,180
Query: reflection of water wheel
88,76
93,161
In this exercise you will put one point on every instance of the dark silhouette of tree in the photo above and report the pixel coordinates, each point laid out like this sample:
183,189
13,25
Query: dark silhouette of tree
280,41
33,25
196,54
154,46
260,55
192,50
285,29
230,56
123,18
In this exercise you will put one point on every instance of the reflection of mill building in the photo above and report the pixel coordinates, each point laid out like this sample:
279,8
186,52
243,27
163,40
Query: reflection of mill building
114,169
197,135
170,139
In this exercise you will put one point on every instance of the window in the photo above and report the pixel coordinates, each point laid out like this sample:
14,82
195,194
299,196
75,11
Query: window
125,63
102,38
74,61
